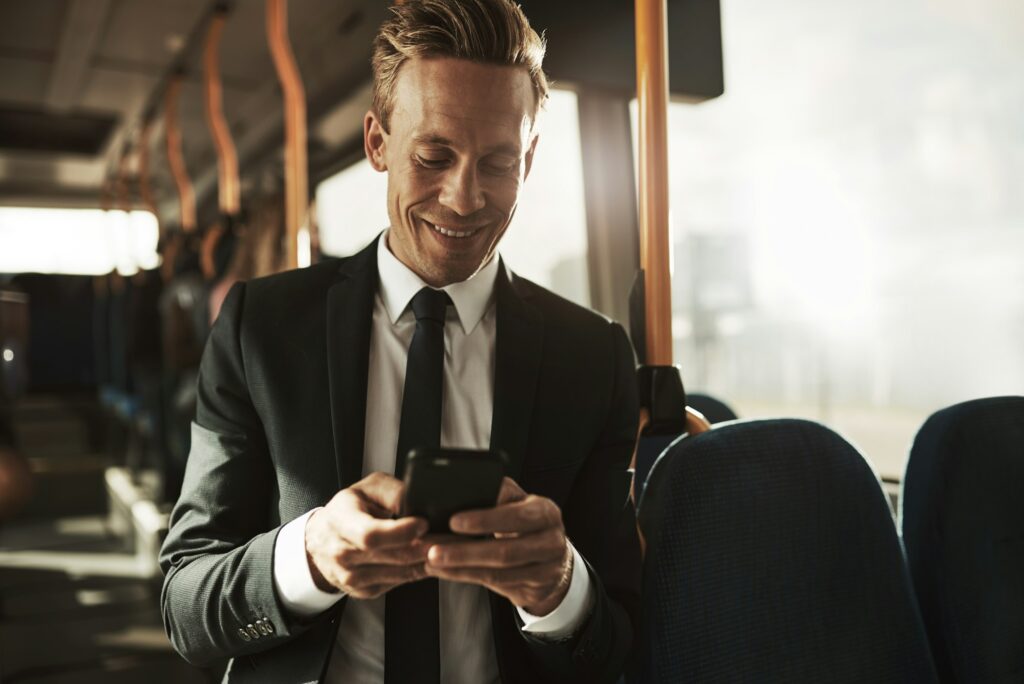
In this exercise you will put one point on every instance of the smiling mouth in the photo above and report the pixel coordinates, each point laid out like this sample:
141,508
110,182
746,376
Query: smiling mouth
452,232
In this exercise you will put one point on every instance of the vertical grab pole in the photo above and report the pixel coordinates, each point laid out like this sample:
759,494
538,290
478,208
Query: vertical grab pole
123,192
186,194
652,93
663,411
228,188
295,166
122,198
145,190
227,156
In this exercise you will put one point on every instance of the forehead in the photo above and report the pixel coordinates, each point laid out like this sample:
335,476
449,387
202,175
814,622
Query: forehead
463,100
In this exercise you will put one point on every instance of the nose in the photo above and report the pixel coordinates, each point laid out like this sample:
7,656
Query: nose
461,191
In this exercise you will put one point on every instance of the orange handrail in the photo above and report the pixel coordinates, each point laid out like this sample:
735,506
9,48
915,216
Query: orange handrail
145,190
655,242
295,166
652,94
123,194
186,194
227,157
105,194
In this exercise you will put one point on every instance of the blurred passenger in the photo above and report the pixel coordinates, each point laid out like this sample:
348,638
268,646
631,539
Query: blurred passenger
257,250
15,473
184,326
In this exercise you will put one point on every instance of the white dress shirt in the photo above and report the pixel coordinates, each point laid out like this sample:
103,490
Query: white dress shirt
467,640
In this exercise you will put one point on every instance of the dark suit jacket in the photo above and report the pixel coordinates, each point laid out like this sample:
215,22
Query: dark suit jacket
279,429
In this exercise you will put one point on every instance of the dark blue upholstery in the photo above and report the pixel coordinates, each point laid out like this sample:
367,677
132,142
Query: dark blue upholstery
962,515
772,557
650,448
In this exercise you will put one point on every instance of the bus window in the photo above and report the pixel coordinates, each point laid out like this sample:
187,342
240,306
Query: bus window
547,240
76,241
846,217
351,208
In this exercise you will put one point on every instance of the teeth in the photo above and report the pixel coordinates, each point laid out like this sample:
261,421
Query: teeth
454,233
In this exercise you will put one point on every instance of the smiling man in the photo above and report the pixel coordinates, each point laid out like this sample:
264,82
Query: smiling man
287,552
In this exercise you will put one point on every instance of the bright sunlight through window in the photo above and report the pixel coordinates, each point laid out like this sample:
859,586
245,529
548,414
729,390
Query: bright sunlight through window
77,241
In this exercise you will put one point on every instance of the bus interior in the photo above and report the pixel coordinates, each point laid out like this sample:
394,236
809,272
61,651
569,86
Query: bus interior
823,201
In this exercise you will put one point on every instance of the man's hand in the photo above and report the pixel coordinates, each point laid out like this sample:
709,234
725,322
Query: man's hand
527,558
353,545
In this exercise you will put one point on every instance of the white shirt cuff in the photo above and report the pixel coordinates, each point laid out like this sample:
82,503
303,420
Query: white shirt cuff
567,617
292,578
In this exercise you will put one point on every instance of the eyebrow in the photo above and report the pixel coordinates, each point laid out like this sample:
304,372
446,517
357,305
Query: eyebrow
433,139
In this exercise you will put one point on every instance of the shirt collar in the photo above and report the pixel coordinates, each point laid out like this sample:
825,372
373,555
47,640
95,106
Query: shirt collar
398,285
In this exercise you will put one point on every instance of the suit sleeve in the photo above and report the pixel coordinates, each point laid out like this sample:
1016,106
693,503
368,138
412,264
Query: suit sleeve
600,520
218,599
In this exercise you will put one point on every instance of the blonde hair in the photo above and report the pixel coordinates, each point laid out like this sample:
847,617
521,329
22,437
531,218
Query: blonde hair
490,31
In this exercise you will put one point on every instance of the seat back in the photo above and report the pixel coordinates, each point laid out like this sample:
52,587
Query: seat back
772,557
962,516
650,447
715,410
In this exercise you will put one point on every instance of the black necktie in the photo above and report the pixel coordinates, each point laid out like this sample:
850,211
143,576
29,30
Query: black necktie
412,642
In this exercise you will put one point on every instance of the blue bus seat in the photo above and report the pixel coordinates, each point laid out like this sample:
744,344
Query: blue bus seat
772,557
962,516
650,447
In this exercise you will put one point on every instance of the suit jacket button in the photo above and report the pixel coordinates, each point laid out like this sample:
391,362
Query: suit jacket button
245,635
269,624
262,627
252,631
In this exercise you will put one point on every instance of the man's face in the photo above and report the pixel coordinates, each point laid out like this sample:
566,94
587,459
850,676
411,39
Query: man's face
460,146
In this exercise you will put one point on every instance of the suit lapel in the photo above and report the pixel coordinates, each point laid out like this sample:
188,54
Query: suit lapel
519,343
349,319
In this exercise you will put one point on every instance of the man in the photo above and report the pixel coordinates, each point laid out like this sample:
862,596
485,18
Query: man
313,381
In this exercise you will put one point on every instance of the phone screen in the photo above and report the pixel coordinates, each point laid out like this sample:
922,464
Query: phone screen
442,482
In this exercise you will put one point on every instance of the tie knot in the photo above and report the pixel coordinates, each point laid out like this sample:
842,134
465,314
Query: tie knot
430,304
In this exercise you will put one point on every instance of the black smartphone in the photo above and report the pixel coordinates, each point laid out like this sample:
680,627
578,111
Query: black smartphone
442,482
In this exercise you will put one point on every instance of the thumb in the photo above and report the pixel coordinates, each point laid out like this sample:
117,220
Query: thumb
382,491
510,491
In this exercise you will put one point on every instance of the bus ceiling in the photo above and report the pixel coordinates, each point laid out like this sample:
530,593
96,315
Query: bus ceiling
84,85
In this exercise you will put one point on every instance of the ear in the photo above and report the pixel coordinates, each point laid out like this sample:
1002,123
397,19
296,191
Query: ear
375,141
529,155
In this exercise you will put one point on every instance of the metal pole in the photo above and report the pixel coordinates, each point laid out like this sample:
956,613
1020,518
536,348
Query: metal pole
145,190
295,166
652,93
227,157
174,156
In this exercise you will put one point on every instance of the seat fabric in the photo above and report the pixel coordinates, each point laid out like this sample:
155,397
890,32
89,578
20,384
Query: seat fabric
772,557
962,516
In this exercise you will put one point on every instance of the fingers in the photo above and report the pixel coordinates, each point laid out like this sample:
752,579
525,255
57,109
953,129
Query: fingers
364,531
367,579
548,545
356,519
502,579
353,544
383,490
531,514
363,573
537,587
510,491
415,552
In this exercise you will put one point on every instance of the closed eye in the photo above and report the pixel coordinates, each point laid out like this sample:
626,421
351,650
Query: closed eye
431,162
501,167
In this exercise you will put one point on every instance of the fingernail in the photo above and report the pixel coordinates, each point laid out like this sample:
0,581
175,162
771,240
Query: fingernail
456,523
435,555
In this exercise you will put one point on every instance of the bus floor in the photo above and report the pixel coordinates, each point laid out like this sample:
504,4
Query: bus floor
76,607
